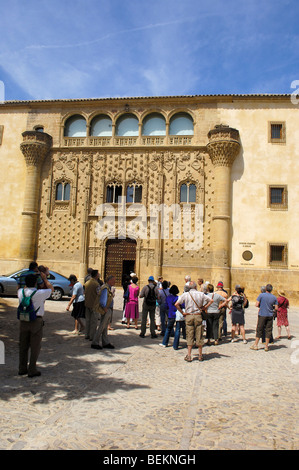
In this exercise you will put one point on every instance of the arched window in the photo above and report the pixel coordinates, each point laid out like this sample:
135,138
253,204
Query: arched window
188,192
127,125
114,191
75,126
154,124
101,126
134,193
63,192
181,124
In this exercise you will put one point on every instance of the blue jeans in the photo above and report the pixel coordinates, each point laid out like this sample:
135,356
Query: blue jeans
170,325
222,323
163,314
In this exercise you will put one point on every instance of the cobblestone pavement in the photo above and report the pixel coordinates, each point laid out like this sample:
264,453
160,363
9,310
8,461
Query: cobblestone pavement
141,396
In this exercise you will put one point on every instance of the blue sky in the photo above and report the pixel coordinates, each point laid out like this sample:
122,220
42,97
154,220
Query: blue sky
99,48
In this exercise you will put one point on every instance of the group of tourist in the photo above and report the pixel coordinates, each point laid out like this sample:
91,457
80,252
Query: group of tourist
201,310
199,313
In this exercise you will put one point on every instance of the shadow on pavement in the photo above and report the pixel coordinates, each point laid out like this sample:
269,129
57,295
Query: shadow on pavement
70,368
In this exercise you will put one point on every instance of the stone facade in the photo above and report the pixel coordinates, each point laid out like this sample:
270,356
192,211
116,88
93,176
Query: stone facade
233,158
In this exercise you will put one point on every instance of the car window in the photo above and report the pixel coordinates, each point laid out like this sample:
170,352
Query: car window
14,275
17,276
51,277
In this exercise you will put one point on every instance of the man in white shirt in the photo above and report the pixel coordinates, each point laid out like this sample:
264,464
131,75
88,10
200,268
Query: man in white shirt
195,302
31,332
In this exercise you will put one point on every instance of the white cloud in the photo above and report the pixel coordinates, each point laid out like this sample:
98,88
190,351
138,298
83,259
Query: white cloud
44,81
100,39
134,48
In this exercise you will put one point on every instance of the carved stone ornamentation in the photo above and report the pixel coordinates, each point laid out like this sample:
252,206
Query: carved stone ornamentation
223,146
35,147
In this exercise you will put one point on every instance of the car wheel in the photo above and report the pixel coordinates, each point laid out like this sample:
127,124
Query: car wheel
56,294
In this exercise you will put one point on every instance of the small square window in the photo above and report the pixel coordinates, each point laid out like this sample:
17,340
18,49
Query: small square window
277,132
278,255
278,197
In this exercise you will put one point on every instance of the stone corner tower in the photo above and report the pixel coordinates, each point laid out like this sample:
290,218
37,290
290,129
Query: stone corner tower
223,148
35,147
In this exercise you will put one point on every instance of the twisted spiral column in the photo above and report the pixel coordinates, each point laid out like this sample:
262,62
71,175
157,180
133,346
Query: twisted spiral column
35,147
223,148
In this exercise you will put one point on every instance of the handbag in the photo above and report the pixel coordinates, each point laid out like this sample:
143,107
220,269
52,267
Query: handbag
179,316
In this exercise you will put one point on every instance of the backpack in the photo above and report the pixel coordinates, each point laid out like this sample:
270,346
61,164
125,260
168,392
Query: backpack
150,299
26,311
237,302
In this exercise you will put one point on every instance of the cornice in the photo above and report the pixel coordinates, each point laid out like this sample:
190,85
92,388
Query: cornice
197,99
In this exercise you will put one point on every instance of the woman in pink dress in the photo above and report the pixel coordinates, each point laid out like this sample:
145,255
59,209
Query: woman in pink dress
282,314
132,310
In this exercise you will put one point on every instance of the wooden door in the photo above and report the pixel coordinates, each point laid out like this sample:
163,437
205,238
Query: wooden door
119,255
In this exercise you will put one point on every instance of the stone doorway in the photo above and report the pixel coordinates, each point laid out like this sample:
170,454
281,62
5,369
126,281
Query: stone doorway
120,258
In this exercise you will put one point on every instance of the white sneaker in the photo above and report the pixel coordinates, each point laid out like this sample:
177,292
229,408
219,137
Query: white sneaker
245,341
162,345
234,340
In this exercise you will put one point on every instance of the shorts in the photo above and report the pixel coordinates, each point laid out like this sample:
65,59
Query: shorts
264,323
78,310
194,330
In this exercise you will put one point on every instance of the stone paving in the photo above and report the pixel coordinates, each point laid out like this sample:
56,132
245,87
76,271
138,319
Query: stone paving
140,396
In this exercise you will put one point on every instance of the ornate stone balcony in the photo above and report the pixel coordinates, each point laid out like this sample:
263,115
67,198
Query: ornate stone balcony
87,141
129,141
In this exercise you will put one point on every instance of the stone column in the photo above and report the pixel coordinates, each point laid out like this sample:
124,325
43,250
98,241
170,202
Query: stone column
223,147
84,241
35,147
159,241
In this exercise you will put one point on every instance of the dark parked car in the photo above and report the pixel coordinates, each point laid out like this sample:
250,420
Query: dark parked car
9,284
